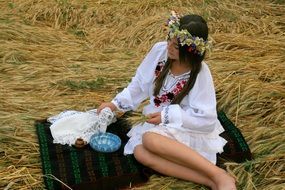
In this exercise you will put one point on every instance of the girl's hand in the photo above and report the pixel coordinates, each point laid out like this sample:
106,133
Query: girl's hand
106,104
154,118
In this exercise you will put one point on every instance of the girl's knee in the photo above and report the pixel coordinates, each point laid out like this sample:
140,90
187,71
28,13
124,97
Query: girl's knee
150,141
142,155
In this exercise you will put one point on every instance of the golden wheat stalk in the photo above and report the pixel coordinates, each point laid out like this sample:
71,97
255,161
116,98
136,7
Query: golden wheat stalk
136,118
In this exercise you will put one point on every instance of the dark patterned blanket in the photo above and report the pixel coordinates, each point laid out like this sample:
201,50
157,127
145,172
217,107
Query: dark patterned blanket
85,168
65,166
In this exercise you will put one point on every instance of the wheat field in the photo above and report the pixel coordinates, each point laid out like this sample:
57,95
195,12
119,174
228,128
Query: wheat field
74,54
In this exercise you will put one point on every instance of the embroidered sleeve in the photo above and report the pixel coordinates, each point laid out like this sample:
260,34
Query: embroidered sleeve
130,97
171,115
165,116
175,116
120,105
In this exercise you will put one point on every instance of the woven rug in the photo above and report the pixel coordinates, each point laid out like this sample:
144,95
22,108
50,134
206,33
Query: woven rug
85,168
236,149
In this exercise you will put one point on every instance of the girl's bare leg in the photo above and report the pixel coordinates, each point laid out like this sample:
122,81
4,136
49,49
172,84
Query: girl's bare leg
181,154
169,168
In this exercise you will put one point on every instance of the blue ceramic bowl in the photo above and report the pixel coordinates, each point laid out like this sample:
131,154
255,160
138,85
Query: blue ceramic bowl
105,142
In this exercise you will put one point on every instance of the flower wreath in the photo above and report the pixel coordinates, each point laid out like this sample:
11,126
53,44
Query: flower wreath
196,45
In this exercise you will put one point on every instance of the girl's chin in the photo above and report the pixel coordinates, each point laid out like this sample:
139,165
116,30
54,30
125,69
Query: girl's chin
172,57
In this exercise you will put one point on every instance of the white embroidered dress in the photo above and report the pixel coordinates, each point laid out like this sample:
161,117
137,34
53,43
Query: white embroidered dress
193,122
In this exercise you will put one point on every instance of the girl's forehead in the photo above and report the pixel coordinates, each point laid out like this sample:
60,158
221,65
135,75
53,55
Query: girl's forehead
174,40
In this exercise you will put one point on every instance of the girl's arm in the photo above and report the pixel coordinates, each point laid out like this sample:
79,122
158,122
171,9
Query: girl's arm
138,90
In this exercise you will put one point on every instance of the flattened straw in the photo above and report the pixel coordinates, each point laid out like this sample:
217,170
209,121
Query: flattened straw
55,178
9,185
238,104
99,39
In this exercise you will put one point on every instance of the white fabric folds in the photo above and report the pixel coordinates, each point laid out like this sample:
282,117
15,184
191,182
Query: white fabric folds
206,145
70,125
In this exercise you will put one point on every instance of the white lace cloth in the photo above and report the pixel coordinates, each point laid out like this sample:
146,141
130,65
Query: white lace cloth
70,125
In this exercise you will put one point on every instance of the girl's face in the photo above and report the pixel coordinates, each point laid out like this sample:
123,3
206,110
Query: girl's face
173,49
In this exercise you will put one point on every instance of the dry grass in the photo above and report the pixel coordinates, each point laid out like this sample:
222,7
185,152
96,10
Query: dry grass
58,55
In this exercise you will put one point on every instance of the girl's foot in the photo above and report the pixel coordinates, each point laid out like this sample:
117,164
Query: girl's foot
225,182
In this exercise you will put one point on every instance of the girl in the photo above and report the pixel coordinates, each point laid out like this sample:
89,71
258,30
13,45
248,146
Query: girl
181,136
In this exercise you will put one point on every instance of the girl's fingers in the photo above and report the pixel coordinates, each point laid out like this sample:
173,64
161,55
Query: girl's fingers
150,121
149,115
99,109
154,120
153,115
102,106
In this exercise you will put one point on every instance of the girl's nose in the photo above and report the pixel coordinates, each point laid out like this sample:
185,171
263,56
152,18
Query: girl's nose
170,46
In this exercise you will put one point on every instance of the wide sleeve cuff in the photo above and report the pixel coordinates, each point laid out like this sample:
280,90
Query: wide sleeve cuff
123,101
175,116
171,115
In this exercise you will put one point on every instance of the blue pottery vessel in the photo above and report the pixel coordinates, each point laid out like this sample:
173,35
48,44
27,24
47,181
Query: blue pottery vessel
105,142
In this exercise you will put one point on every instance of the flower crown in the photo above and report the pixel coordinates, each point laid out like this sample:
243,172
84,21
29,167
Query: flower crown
196,45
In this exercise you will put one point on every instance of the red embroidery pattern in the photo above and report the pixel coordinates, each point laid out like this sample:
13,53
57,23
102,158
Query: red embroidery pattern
167,97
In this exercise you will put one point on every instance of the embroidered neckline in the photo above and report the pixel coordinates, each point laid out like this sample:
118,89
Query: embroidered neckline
168,96
173,81
179,76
